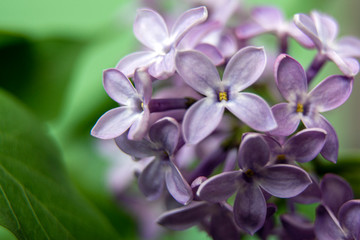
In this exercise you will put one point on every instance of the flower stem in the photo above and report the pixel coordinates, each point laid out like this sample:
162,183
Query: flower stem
315,66
161,105
283,43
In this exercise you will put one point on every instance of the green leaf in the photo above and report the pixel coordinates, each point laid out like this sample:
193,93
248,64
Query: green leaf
37,200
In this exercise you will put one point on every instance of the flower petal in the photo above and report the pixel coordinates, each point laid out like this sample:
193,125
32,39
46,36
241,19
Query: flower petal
137,149
177,185
307,25
184,217
164,66
326,26
331,92
252,110
327,226
287,120
335,192
250,208
348,47
244,68
114,122
129,63
222,226
305,145
204,78
290,77
220,187
254,152
270,18
118,86
201,119
283,180
312,194
299,36
165,132
331,147
297,227
348,66
151,180
143,85
186,21
249,30
150,29
140,126
211,52
349,217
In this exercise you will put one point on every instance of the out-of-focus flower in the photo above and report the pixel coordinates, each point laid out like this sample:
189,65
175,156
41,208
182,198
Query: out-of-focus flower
243,69
329,94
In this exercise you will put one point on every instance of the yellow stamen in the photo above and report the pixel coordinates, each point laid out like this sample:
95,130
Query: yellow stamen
223,96
249,173
281,157
299,108
142,105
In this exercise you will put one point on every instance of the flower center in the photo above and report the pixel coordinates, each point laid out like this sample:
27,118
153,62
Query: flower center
249,173
223,96
299,108
142,105
281,158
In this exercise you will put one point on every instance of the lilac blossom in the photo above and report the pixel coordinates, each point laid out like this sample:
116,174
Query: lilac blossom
323,30
151,30
243,69
162,142
255,175
329,94
134,113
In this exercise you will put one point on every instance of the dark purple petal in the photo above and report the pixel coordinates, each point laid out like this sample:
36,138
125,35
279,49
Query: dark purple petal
290,77
186,21
349,217
137,149
250,208
283,181
287,120
244,68
152,179
118,86
143,85
270,18
252,110
129,63
297,228
165,132
327,226
114,122
312,194
307,25
177,185
331,92
204,78
335,192
305,145
220,187
140,126
211,52
348,47
254,152
222,226
185,217
150,29
201,119
331,147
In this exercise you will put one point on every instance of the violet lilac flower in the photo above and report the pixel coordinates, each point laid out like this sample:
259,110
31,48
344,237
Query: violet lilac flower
134,113
323,30
329,94
243,69
255,175
162,142
151,30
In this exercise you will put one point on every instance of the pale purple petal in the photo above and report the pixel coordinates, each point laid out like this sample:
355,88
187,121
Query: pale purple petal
114,122
249,30
165,132
204,78
331,92
186,21
327,226
349,66
211,52
227,45
290,77
348,47
184,217
252,110
164,66
305,145
250,208
244,68
326,27
137,149
331,147
299,36
152,180
335,192
254,152
220,187
150,29
307,25
349,217
143,85
140,126
270,18
118,86
287,120
177,185
129,63
201,119
283,181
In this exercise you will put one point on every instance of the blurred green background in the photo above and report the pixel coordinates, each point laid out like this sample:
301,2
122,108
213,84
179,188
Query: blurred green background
52,54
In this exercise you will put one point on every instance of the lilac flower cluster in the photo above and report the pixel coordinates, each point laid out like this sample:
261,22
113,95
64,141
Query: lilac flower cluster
193,105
